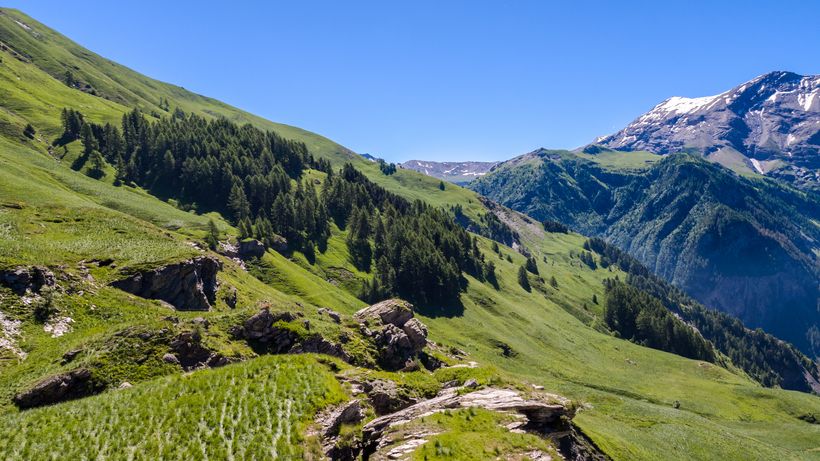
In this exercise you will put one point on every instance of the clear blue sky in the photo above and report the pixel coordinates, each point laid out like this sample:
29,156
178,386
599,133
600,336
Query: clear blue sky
446,79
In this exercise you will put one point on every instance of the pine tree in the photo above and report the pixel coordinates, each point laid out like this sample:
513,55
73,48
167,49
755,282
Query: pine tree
245,228
97,162
238,202
88,139
523,280
29,131
441,185
553,282
531,265
595,299
212,237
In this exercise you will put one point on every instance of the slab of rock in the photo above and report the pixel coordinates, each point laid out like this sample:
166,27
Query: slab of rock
392,311
539,414
67,386
189,285
351,412
22,279
251,249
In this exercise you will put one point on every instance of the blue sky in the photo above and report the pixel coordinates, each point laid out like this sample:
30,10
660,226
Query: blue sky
447,80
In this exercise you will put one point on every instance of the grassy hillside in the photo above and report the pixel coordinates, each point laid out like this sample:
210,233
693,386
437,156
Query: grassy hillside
552,336
742,245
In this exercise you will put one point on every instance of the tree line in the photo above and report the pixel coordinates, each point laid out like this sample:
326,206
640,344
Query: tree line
767,359
258,180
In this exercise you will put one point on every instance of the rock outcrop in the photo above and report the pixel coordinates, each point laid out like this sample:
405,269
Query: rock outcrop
188,285
251,249
538,414
22,279
189,352
67,386
399,338
272,333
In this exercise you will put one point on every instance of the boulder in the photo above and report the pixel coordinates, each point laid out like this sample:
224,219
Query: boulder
251,248
190,353
22,279
188,285
279,244
401,337
392,311
351,412
67,386
319,345
417,333
385,397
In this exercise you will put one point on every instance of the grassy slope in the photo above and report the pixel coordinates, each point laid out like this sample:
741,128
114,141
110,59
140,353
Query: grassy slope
629,388
255,410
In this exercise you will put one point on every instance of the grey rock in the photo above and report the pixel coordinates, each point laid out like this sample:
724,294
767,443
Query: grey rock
22,279
392,311
767,122
170,358
350,412
67,386
251,249
189,285
385,397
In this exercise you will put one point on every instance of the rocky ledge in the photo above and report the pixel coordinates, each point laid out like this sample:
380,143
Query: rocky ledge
22,279
188,285
67,386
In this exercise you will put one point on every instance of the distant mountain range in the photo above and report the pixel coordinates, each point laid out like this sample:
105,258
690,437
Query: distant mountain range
455,172
769,125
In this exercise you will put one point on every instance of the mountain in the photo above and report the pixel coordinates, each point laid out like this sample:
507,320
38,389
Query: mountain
200,281
742,245
454,172
769,125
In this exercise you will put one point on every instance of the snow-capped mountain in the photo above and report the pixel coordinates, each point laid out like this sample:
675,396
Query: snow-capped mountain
456,172
769,125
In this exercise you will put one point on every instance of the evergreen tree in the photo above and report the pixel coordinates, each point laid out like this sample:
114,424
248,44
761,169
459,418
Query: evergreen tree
88,140
523,280
531,265
357,240
97,168
212,237
441,185
238,203
553,282
29,131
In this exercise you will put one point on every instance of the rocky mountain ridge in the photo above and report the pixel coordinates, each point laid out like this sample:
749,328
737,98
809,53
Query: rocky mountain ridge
769,125
455,172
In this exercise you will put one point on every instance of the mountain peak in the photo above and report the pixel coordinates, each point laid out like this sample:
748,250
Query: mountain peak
767,125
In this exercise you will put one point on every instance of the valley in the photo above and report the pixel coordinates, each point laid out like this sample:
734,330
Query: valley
239,298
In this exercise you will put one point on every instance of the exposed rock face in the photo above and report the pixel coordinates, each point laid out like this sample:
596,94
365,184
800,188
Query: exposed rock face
67,386
391,311
190,353
539,415
455,172
266,331
385,397
350,412
189,285
319,345
22,279
251,249
401,336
